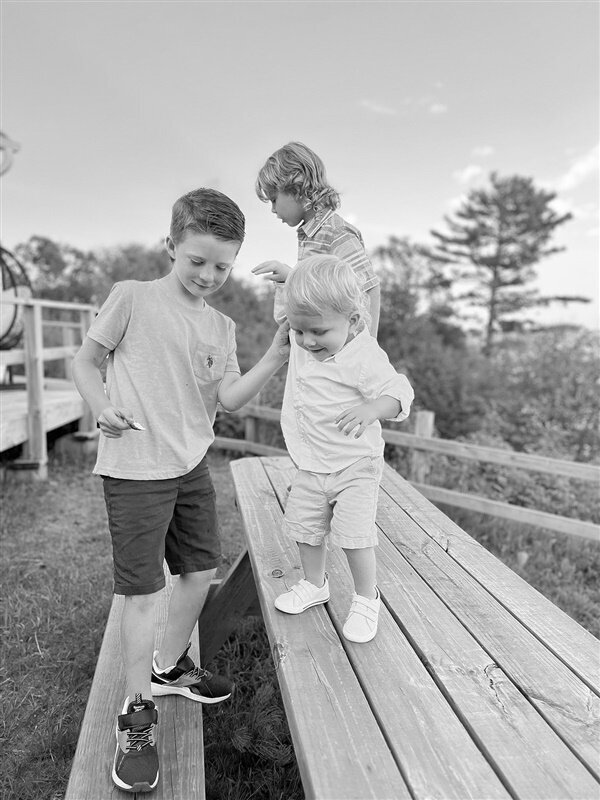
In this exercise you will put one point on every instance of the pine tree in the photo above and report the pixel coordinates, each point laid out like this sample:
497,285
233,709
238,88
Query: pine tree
496,238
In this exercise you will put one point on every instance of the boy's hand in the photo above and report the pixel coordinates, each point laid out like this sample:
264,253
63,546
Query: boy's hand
358,417
273,271
113,421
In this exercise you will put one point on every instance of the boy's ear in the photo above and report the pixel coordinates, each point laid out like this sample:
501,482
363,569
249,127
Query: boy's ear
170,246
354,319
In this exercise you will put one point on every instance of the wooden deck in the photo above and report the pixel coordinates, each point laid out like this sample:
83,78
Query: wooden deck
475,685
61,406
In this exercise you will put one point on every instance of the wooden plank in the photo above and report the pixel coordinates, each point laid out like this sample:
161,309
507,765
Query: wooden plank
180,740
463,450
574,645
492,455
339,746
526,516
437,755
526,751
244,446
230,601
565,701
60,408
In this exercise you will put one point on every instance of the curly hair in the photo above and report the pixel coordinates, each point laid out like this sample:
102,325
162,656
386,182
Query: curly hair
295,169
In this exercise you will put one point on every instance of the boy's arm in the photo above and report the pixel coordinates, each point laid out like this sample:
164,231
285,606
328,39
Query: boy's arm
374,295
88,380
360,417
236,390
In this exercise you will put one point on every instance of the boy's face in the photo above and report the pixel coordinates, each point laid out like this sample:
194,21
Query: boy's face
288,209
201,262
323,335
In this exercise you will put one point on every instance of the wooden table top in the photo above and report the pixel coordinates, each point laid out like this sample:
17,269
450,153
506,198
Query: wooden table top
476,686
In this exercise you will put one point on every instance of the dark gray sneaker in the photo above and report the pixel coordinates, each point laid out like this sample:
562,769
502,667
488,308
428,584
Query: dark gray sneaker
190,681
135,768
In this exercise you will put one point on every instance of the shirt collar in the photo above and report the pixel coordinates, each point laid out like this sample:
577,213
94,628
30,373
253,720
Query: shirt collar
353,344
312,226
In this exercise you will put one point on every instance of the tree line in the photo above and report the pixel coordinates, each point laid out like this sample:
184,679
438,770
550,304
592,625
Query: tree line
455,316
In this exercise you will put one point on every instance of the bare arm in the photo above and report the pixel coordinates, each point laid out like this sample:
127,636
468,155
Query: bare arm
374,295
88,380
236,390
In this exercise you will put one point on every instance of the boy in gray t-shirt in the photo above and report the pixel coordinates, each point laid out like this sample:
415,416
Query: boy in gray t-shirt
171,358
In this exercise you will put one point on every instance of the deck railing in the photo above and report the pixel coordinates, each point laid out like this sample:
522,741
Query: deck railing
423,442
34,356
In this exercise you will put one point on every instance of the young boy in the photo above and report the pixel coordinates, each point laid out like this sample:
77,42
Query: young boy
340,383
171,358
294,181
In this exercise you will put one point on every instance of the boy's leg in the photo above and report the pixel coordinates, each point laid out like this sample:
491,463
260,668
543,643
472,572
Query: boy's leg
137,642
187,600
363,566
313,558
192,551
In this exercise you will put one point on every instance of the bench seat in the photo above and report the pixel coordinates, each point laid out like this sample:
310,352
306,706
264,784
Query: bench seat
180,739
475,685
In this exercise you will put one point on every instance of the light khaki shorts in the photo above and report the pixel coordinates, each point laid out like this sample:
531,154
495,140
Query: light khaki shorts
342,504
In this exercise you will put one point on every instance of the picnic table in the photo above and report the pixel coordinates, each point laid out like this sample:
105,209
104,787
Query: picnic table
476,686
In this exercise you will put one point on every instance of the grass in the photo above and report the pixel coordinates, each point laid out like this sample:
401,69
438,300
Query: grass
57,578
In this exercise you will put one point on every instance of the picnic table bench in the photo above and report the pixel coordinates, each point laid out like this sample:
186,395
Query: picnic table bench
476,686
180,739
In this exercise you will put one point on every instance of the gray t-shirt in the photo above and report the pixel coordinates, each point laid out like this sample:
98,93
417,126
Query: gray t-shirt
166,364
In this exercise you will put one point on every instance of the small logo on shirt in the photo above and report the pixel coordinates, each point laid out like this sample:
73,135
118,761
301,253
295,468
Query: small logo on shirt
209,361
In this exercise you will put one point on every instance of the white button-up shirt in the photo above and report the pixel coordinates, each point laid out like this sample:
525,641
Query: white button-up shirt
316,392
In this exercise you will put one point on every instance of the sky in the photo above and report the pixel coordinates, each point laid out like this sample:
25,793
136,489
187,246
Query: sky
121,107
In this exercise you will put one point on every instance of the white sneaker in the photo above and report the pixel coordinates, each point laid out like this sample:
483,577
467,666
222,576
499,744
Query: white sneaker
361,623
301,596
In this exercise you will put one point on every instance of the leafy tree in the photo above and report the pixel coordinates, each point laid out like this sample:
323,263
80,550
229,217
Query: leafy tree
496,237
413,287
62,272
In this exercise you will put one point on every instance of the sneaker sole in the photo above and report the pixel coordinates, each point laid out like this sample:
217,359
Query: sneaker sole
361,640
141,787
304,608
159,690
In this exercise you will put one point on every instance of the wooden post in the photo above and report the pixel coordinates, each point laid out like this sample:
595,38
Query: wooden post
36,452
68,340
87,423
418,460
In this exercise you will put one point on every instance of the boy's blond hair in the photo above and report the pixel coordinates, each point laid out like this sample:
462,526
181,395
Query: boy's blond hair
322,283
296,170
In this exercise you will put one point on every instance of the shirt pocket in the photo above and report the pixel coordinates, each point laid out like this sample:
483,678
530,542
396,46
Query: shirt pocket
209,363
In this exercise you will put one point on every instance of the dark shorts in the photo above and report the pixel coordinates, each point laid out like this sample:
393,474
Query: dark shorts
173,519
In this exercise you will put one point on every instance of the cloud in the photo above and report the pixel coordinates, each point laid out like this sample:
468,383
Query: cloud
483,151
378,108
467,174
438,108
581,169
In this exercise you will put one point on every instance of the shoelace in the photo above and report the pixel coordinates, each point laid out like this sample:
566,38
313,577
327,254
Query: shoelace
138,738
197,673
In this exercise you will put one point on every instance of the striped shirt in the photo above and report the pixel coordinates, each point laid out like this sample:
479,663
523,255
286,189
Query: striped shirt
330,234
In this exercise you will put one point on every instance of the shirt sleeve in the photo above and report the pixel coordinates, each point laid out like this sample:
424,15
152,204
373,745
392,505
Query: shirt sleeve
113,318
378,377
348,245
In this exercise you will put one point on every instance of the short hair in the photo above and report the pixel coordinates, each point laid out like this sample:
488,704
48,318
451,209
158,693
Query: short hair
322,283
295,169
207,211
